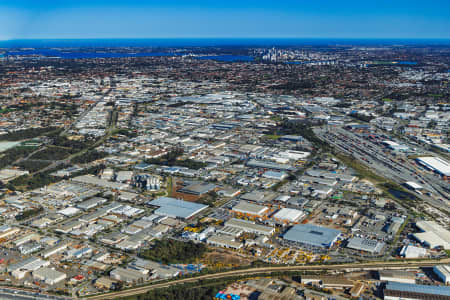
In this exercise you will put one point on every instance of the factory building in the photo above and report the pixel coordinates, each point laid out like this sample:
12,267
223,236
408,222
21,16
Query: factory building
249,226
435,164
48,275
433,235
312,236
361,244
443,272
175,208
402,291
250,209
288,215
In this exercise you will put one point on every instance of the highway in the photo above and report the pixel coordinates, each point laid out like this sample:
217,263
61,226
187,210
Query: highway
257,271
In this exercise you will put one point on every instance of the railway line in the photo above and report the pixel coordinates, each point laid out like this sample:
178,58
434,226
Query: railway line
268,270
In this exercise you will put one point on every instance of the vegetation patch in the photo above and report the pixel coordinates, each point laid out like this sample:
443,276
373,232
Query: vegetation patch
170,251
33,165
26,133
88,156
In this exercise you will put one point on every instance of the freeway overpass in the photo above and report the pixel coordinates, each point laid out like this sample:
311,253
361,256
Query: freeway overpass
258,271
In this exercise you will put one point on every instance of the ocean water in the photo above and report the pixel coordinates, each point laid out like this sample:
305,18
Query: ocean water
226,58
211,42
77,54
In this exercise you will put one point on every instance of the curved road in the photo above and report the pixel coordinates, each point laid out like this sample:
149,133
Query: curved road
256,271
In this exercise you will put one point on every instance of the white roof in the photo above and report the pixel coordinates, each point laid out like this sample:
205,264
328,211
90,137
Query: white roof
433,234
69,211
436,163
414,185
413,251
289,214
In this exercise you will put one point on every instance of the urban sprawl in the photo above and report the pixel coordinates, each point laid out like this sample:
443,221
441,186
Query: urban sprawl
326,168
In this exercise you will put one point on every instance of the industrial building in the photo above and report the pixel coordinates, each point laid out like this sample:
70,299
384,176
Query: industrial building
48,275
128,275
246,208
197,188
91,203
443,272
269,165
223,240
312,235
435,164
21,268
397,276
286,215
433,235
410,251
175,208
400,291
249,226
371,246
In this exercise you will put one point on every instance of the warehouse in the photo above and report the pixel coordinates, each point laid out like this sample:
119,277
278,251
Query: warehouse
175,208
54,250
410,251
443,272
361,244
312,235
20,269
198,188
433,235
249,226
49,276
436,164
397,291
225,241
397,276
269,165
91,203
246,208
275,175
288,215
128,275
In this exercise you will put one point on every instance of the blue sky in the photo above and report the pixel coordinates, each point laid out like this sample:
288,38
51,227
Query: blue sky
21,19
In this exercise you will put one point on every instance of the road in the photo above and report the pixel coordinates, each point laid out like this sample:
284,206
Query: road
256,271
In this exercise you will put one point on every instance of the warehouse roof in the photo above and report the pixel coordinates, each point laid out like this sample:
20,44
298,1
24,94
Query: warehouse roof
289,214
269,165
176,208
249,226
312,235
418,288
48,273
367,245
435,163
433,234
250,208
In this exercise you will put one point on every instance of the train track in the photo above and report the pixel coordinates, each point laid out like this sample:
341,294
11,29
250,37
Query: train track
268,270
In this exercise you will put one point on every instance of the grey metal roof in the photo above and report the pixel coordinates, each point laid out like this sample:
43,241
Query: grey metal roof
418,288
372,246
176,208
312,235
